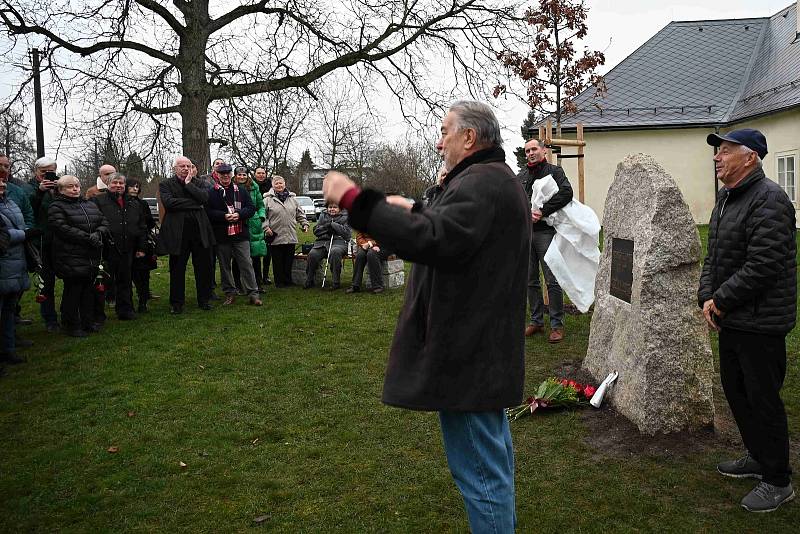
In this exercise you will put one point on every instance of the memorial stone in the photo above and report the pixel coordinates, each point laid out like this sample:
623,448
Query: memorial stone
646,323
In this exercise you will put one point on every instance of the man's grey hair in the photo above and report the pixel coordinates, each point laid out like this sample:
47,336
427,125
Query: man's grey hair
748,150
117,176
479,117
44,161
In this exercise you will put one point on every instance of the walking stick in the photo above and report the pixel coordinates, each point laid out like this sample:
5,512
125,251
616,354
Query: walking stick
327,261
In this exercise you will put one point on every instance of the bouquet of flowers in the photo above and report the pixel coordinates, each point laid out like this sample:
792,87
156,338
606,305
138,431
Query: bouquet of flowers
553,393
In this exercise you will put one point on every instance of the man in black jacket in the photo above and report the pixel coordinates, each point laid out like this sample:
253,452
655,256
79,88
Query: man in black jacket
748,292
541,236
128,235
459,348
186,230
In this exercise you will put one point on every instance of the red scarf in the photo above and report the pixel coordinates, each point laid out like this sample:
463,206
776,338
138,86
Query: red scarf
234,228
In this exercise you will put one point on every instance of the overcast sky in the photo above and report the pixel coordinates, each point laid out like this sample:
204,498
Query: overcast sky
616,27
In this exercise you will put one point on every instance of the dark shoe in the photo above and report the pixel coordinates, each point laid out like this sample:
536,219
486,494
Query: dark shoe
336,286
241,292
76,332
176,309
255,301
21,343
127,316
229,299
267,281
52,327
213,296
534,329
142,308
556,335
13,359
206,306
93,328
308,284
377,291
352,289
766,497
744,467
22,322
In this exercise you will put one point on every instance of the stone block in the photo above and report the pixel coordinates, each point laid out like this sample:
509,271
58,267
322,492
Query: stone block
646,323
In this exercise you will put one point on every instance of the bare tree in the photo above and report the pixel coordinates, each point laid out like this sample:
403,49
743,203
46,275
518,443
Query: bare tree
404,167
162,59
15,143
260,129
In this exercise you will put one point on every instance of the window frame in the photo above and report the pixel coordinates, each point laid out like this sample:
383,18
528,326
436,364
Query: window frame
793,154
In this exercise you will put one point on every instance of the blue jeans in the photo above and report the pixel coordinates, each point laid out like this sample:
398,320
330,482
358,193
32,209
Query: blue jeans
540,242
8,307
481,460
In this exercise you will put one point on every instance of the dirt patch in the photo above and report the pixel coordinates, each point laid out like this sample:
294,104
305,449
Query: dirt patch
610,434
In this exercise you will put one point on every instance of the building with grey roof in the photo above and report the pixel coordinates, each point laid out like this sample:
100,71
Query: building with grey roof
690,79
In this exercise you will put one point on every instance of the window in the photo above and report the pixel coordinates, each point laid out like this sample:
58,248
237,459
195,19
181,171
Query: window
787,174
315,183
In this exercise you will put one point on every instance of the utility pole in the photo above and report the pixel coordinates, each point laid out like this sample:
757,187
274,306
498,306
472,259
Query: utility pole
37,101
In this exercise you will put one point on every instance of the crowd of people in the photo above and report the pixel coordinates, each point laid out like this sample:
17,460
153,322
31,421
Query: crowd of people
103,243
459,344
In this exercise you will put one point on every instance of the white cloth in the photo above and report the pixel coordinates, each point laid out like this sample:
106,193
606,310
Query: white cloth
573,255
101,184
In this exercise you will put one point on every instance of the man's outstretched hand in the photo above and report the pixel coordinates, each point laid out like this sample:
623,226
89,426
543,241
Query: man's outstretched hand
335,185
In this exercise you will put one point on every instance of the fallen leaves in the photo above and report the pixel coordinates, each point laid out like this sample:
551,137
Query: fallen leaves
113,449
183,465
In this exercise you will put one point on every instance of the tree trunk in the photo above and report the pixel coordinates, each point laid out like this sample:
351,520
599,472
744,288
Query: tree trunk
194,113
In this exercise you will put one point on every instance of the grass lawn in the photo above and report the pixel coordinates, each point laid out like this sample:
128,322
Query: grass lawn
276,414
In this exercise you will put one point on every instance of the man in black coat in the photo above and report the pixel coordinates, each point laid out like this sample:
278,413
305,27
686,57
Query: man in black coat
128,236
538,167
459,347
229,207
186,230
748,292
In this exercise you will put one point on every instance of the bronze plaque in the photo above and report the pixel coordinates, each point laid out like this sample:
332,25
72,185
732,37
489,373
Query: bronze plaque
621,268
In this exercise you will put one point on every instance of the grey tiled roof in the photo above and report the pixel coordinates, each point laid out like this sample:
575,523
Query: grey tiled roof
700,73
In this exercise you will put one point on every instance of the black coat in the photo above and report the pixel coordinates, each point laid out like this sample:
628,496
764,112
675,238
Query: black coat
528,175
328,226
127,224
71,221
459,342
183,202
751,267
217,208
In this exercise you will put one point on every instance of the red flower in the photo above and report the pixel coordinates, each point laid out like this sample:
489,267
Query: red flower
573,385
564,382
588,391
40,298
100,287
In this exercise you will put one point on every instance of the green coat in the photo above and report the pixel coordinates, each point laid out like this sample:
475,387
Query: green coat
258,247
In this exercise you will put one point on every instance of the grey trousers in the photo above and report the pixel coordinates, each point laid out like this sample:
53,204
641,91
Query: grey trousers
240,251
338,251
540,241
372,260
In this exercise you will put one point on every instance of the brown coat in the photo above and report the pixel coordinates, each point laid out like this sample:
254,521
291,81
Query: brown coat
459,343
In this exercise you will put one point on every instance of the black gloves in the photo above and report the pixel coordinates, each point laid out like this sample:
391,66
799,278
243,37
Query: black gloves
96,240
32,233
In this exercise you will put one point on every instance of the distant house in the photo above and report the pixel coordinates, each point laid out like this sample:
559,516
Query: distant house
311,182
689,80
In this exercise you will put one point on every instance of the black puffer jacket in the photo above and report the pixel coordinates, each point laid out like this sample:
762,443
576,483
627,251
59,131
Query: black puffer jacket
751,267
72,221
528,175
127,224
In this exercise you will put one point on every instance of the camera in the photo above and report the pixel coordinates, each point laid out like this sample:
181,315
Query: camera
50,175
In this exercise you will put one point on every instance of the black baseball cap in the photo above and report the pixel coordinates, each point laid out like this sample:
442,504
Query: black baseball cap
752,139
224,168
